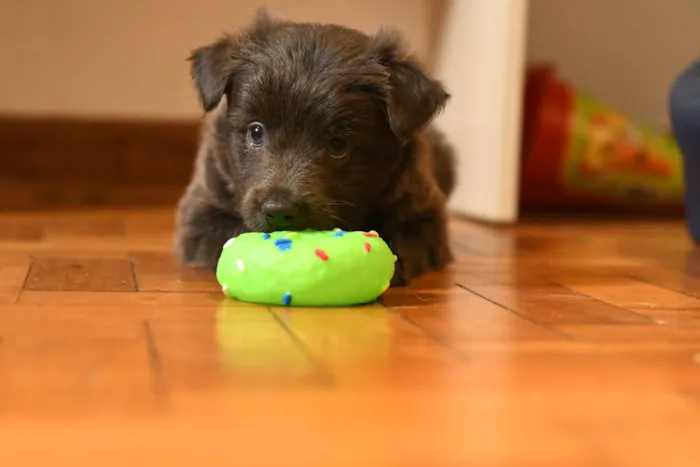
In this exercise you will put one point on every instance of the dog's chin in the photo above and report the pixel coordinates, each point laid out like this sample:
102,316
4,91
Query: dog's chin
258,224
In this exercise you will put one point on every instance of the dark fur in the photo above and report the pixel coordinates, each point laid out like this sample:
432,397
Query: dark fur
308,83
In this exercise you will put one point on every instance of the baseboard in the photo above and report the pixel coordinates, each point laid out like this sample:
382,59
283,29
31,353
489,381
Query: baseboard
78,162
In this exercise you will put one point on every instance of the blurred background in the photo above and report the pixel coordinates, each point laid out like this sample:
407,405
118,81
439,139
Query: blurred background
97,107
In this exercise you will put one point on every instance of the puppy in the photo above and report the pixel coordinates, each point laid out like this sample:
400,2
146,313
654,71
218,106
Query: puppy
317,126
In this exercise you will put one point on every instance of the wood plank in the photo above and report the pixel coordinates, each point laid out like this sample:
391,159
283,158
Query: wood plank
125,299
58,376
472,319
662,305
21,230
13,273
676,280
81,274
555,304
370,345
62,323
161,272
633,332
80,227
244,347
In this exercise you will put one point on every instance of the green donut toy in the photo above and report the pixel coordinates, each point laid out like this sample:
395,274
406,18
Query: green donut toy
307,268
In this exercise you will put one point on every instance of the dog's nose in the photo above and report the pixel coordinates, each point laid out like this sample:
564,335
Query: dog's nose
280,213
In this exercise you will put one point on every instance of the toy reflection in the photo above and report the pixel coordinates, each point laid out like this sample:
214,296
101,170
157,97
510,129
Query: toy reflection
302,345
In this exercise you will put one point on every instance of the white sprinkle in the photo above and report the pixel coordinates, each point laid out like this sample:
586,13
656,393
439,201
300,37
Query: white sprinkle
229,242
241,266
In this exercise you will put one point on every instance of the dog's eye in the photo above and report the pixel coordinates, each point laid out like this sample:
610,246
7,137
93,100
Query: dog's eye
338,148
256,134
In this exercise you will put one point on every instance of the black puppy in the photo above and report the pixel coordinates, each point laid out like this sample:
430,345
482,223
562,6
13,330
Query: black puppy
317,126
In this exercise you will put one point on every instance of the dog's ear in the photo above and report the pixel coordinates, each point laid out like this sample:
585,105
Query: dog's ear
414,98
213,66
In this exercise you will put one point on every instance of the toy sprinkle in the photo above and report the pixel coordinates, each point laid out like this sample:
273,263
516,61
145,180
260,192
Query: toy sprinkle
338,233
290,234
370,234
396,258
283,244
321,254
266,236
368,247
287,299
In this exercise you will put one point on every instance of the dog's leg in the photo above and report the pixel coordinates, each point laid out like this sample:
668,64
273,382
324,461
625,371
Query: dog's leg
202,230
421,244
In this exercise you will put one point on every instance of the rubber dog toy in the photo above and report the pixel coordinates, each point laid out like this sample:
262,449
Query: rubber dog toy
306,268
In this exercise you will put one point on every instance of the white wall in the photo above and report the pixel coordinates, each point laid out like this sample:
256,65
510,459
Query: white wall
126,58
481,62
626,52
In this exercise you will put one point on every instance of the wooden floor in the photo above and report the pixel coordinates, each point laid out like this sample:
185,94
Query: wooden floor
556,343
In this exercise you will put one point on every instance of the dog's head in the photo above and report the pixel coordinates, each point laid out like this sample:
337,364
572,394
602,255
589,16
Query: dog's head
316,118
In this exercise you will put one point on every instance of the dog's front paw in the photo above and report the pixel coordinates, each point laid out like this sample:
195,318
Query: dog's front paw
399,279
417,256
201,235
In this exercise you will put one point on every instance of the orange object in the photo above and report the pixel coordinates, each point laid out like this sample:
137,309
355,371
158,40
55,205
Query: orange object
580,151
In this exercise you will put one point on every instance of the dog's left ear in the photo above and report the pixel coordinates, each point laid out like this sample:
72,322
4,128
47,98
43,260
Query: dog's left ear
213,67
414,98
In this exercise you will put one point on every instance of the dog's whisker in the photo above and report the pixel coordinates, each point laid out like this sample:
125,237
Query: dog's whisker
340,202
339,219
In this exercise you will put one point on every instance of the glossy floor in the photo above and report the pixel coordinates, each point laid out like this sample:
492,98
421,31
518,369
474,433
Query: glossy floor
556,343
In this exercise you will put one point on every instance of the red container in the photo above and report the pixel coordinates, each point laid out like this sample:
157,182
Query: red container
578,151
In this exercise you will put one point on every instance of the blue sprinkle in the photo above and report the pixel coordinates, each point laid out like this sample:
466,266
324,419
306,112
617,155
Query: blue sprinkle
266,236
283,244
287,299
339,233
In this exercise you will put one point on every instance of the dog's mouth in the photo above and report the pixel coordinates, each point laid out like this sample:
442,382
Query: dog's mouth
273,211
311,220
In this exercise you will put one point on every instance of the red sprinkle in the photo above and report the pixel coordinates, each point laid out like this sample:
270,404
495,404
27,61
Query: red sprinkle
321,254
368,247
370,234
